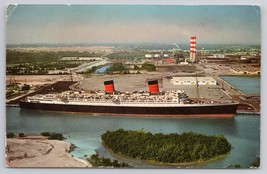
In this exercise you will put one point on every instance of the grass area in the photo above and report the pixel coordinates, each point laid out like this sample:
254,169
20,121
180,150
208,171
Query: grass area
17,57
41,62
127,55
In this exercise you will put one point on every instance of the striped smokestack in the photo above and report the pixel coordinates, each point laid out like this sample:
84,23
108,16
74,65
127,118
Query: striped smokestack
109,86
153,86
193,45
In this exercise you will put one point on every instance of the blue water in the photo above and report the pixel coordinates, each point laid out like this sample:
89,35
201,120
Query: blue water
246,84
84,131
102,69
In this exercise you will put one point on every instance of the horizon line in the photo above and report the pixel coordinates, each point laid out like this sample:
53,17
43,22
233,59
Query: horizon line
124,43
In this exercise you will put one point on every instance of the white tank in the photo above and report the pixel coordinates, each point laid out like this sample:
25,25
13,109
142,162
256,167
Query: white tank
148,55
166,55
157,55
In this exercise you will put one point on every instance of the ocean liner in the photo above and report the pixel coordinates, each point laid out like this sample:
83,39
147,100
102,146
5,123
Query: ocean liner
111,102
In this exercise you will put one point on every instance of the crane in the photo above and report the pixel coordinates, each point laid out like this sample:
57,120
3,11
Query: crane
177,51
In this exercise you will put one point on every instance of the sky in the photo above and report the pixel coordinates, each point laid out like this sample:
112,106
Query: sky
29,24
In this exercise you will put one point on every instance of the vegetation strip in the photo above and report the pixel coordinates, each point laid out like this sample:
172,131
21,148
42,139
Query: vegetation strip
186,148
97,161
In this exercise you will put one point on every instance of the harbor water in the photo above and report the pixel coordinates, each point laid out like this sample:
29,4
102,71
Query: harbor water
85,130
249,85
102,69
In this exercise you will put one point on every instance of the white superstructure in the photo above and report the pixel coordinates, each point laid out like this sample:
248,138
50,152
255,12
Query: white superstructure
166,99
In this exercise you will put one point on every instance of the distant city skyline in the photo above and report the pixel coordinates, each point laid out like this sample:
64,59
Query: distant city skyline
67,24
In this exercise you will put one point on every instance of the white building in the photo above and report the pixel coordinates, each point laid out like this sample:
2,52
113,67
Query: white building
218,56
166,55
206,81
193,81
184,80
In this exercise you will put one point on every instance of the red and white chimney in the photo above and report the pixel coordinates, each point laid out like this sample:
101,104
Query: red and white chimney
193,45
109,86
153,86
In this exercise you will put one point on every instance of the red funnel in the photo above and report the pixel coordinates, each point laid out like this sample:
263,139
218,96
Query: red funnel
109,86
153,86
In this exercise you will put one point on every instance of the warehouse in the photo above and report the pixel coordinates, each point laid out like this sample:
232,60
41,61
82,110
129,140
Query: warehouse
184,80
206,81
247,70
193,81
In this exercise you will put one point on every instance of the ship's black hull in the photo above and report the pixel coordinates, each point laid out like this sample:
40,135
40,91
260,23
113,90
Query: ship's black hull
211,110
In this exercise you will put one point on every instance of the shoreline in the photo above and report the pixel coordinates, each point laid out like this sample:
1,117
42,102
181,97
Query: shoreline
37,151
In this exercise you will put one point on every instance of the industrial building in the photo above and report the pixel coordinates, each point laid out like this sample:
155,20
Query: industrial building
157,56
245,70
216,56
167,58
206,81
184,80
193,81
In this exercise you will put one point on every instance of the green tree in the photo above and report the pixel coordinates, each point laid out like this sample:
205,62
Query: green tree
148,67
256,163
10,135
116,67
234,166
21,134
46,134
56,136
96,161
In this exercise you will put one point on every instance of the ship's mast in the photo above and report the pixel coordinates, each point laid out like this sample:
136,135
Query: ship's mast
71,76
197,89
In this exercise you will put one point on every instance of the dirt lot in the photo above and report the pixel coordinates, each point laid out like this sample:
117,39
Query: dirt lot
131,82
33,80
177,68
39,152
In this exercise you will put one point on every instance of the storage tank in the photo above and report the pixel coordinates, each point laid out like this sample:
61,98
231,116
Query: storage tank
148,55
157,55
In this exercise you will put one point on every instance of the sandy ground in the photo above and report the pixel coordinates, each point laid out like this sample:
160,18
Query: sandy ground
35,79
40,79
35,152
